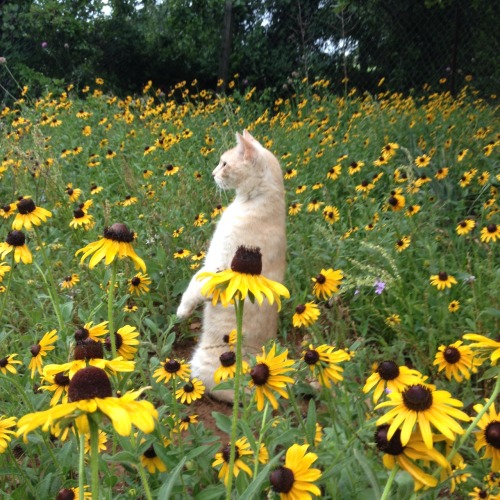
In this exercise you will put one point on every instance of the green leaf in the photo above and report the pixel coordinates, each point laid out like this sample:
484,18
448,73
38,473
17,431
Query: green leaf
223,421
311,421
254,488
166,489
123,457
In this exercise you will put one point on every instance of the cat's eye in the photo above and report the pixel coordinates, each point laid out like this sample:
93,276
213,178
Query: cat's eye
224,164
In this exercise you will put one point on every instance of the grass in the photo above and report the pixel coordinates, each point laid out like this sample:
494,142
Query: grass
386,308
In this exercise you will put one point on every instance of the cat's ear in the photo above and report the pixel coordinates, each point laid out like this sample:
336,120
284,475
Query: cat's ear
245,147
247,135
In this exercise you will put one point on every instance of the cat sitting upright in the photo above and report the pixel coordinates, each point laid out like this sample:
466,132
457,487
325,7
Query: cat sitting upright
255,218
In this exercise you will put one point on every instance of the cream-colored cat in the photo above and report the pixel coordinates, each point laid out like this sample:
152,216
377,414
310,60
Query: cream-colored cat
255,218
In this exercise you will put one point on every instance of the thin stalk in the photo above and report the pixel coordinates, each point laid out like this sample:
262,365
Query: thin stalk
27,481
144,480
81,467
94,457
296,408
8,287
388,485
261,433
111,297
238,308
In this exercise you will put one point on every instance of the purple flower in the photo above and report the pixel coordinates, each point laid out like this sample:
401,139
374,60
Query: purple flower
379,286
44,45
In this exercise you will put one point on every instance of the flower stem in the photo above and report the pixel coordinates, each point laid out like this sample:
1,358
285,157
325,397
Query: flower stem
8,287
111,297
81,467
390,480
261,434
94,457
238,308
144,480
27,481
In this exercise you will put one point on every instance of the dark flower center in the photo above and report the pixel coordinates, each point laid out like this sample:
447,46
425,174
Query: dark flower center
300,308
65,494
119,232
89,349
170,167
393,201
4,362
226,453
70,191
463,224
81,334
61,379
225,338
90,382
78,213
320,279
417,398
260,374
400,243
16,238
451,355
491,228
492,434
35,349
118,342
172,366
26,206
247,260
282,480
6,208
311,357
443,276
135,281
150,452
365,183
189,387
227,359
388,370
391,446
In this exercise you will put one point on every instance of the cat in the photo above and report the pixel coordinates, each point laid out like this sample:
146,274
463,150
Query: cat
256,218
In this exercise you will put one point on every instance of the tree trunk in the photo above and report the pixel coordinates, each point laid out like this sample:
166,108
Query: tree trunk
225,53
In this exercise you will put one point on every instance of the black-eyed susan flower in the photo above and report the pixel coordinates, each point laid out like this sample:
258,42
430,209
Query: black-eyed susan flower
182,253
412,210
290,174
16,242
125,342
227,368
242,449
331,214
73,494
6,426
314,205
69,281
89,330
422,160
139,284
152,462
57,383
4,268
102,439
117,240
423,405
295,480
294,208
8,210
406,456
403,243
389,377
217,210
467,177
461,154
73,193
457,361
269,375
89,392
442,280
172,368
170,170
305,314
396,201
488,436
485,346
465,227
95,189
242,280
490,233
190,391
128,201
130,306
442,173
29,215
355,167
323,361
81,219
183,423
40,350
327,282
200,220
454,306
7,364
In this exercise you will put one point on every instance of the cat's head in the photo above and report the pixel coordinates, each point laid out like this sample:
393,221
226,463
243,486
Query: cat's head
248,166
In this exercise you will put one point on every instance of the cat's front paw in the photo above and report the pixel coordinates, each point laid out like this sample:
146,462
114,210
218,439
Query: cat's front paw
184,310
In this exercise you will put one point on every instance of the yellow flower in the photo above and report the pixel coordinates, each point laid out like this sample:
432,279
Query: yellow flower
139,284
242,449
172,368
421,404
90,392
16,242
58,384
125,340
29,214
490,233
4,268
7,364
331,214
192,390
485,345
38,351
151,461
454,306
327,282
242,280
70,281
465,227
403,243
324,360
6,425
227,368
489,435
102,439
457,360
442,280
269,374
295,480
305,314
116,241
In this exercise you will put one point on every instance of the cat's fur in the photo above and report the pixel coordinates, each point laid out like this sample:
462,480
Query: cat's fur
255,218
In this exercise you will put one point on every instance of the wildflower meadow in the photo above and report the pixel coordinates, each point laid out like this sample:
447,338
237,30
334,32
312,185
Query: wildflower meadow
383,379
